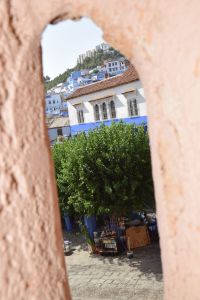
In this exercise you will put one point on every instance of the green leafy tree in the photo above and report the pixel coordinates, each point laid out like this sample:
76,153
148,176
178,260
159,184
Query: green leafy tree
106,171
95,71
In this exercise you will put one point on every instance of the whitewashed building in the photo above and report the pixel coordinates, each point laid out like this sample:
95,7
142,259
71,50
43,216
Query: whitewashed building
81,58
113,99
115,66
103,46
89,53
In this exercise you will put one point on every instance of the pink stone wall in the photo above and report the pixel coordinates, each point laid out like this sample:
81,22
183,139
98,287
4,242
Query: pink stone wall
162,39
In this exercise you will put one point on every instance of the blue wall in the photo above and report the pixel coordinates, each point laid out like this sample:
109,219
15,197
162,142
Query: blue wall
85,127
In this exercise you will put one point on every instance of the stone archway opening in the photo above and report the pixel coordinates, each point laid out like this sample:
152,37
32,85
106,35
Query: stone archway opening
154,35
130,108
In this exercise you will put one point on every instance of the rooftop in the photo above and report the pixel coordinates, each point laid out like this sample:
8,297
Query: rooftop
128,76
56,122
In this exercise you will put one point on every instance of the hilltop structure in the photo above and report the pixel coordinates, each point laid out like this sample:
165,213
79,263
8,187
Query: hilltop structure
103,46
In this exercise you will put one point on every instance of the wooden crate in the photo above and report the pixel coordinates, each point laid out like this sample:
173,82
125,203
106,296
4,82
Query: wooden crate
137,236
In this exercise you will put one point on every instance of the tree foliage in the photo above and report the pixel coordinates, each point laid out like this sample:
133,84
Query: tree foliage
106,171
58,79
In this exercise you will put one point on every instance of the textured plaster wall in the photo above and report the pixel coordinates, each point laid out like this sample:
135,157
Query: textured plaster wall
162,38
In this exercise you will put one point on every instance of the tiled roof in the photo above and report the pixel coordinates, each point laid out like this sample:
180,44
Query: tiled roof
57,122
129,75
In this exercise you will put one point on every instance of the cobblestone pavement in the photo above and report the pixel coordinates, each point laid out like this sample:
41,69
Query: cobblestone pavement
115,278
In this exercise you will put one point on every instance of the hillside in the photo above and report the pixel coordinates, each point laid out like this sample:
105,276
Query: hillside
88,63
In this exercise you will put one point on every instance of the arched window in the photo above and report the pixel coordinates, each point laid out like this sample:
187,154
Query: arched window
80,116
112,110
133,107
104,111
96,112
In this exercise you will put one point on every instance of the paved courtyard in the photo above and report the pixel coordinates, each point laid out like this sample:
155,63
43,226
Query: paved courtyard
108,278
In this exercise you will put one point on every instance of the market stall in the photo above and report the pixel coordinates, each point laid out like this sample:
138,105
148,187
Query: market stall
122,234
106,242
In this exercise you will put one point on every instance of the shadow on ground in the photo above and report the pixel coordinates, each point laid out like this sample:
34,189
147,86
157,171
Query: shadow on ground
77,240
146,259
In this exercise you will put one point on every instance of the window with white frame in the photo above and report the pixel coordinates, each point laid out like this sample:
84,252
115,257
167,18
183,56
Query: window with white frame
104,111
80,116
96,112
112,110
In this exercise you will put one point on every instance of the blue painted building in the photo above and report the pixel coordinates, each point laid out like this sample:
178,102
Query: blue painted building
86,127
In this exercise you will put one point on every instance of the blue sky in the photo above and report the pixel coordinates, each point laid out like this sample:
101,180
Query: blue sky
62,43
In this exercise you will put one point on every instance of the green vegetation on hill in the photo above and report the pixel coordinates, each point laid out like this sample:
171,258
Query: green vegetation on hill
58,79
98,59
88,63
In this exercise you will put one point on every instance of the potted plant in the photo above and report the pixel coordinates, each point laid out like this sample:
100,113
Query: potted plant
89,240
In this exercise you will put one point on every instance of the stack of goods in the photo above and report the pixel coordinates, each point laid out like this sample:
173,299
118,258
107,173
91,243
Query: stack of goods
125,234
106,242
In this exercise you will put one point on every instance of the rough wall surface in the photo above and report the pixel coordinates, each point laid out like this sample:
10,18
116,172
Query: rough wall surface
162,39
